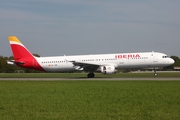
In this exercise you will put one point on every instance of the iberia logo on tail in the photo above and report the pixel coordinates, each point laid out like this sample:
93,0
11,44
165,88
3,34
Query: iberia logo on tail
22,56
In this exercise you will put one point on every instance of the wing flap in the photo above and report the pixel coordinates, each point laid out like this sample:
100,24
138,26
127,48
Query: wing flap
89,67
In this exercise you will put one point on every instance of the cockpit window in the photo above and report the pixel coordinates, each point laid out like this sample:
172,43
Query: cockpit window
165,57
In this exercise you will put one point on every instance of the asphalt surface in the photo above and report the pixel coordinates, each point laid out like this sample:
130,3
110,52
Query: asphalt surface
95,79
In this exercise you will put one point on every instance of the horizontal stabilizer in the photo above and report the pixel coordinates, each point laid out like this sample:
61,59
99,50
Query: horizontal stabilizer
13,62
10,63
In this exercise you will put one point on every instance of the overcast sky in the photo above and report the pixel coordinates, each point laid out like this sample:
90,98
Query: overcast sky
73,27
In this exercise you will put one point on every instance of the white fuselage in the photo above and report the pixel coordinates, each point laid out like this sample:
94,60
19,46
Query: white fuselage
118,60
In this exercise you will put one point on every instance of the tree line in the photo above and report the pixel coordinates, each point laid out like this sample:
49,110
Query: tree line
6,68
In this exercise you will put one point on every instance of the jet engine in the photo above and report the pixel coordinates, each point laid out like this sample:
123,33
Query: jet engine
108,70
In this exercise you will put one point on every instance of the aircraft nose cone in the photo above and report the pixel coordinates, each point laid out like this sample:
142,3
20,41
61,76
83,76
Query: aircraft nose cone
171,61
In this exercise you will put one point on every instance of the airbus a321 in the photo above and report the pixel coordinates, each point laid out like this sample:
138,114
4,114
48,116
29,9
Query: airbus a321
105,63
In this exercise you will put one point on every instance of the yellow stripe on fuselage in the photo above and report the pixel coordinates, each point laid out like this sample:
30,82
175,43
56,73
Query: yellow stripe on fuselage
14,39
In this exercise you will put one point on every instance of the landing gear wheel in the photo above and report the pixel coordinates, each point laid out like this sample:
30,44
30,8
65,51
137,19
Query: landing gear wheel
90,75
155,74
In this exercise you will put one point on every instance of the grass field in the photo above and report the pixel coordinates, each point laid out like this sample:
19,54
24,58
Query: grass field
87,100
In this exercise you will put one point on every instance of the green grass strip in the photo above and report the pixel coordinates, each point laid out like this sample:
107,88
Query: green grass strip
88,100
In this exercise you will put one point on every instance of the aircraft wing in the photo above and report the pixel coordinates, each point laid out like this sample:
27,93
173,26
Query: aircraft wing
85,66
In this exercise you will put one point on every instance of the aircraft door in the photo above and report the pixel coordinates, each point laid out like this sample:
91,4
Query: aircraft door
121,61
155,57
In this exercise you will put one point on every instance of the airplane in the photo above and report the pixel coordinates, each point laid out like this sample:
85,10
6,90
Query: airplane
104,63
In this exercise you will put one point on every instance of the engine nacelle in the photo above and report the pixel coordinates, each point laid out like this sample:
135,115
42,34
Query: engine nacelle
108,70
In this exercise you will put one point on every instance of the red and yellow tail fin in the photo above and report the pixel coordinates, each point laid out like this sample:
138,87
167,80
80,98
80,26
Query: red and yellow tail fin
22,56
18,49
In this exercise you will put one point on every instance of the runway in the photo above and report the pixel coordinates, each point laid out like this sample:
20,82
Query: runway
91,79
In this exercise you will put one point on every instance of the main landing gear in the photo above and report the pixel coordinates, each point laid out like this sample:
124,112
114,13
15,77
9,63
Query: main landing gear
90,75
155,74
